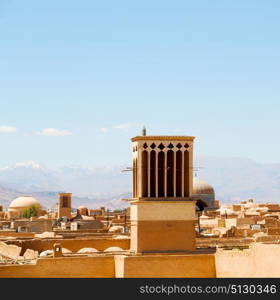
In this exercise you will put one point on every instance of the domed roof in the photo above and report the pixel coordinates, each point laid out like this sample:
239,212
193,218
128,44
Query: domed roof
24,201
113,249
82,207
87,250
50,252
201,187
116,229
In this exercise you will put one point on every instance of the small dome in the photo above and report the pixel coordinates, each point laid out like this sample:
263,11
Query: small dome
250,205
50,252
46,253
66,251
87,218
201,187
82,210
82,207
262,209
204,217
113,249
121,237
23,202
87,250
118,229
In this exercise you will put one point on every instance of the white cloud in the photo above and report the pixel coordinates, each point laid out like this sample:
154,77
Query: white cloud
7,129
53,132
123,126
179,131
32,164
104,130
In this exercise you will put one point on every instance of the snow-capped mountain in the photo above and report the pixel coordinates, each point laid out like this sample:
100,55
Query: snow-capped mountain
93,187
236,179
98,182
29,177
233,179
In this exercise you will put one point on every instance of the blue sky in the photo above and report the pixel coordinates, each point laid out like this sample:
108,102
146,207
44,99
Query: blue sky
79,78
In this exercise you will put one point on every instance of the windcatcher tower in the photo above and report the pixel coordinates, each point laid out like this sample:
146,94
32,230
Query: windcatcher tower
162,210
64,205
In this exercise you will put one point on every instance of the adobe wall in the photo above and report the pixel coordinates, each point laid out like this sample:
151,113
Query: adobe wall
160,226
16,234
245,232
73,245
245,221
166,266
66,267
261,260
148,236
83,232
230,222
271,239
273,231
208,222
37,226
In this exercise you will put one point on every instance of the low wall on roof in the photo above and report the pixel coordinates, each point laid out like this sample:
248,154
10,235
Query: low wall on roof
16,234
112,266
73,245
66,267
166,266
260,260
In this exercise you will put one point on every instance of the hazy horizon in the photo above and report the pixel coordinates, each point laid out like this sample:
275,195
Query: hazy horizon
234,180
105,165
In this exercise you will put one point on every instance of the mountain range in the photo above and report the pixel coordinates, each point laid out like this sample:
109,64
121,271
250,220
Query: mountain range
234,179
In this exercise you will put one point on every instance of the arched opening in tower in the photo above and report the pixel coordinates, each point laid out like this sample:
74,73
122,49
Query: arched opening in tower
170,173
134,179
161,174
186,174
179,174
144,174
153,173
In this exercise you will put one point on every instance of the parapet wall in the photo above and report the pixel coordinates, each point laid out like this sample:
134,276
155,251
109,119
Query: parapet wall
115,265
16,234
260,260
73,245
166,266
66,267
